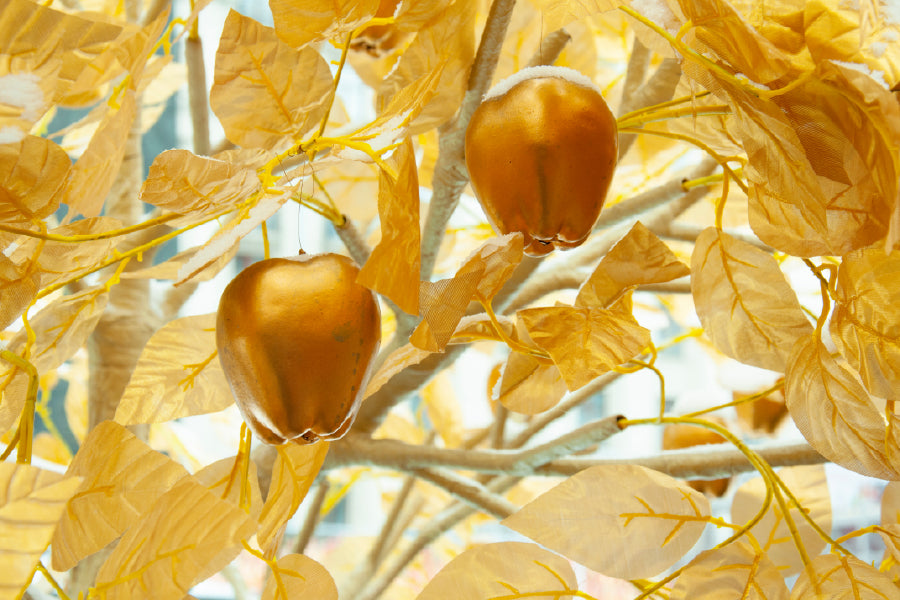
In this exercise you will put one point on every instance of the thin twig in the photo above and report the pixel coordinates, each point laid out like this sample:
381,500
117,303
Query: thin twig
197,93
376,555
688,232
469,491
313,515
550,49
658,89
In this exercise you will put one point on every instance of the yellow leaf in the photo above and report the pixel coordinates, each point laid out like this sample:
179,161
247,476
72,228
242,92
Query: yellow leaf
809,486
890,504
59,261
62,327
169,269
183,182
744,302
178,375
31,502
528,386
295,470
14,391
229,236
443,303
18,286
123,479
393,267
223,478
842,578
649,520
93,174
352,185
299,22
187,535
494,570
446,42
584,343
848,126
866,320
835,413
443,409
637,259
285,90
559,13
397,361
735,571
298,576
33,176
720,28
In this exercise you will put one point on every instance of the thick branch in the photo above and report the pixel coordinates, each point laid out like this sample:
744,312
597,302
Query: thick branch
450,176
363,450
469,491
659,88
550,49
688,232
197,95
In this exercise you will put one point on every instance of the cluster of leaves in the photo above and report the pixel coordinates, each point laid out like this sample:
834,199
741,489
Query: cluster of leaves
796,110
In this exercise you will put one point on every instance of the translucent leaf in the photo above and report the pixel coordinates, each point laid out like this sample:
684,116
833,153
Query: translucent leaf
446,42
809,486
397,361
528,386
300,22
18,287
443,409
498,570
558,13
295,470
33,176
735,571
123,479
95,171
835,413
839,577
230,235
169,269
177,375
185,183
352,185
298,576
890,504
744,302
443,303
14,384
59,261
394,264
584,343
848,126
866,320
637,259
223,479
649,520
31,502
188,535
720,28
62,327
285,90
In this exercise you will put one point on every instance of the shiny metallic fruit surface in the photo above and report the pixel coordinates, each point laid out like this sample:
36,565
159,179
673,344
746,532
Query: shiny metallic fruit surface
296,338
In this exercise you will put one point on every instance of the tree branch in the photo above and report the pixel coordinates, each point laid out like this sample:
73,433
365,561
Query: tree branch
197,94
550,49
450,175
469,491
659,88
313,515
363,450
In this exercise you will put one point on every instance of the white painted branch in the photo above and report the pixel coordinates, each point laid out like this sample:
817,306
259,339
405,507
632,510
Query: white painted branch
469,491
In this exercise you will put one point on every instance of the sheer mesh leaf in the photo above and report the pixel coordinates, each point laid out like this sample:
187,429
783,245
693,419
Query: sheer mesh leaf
186,536
298,576
528,386
446,42
397,361
123,479
299,22
497,570
809,486
183,182
840,577
393,267
31,502
295,470
33,175
890,504
177,375
866,320
256,73
93,174
835,413
558,13
443,303
648,520
637,259
735,571
584,343
744,301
